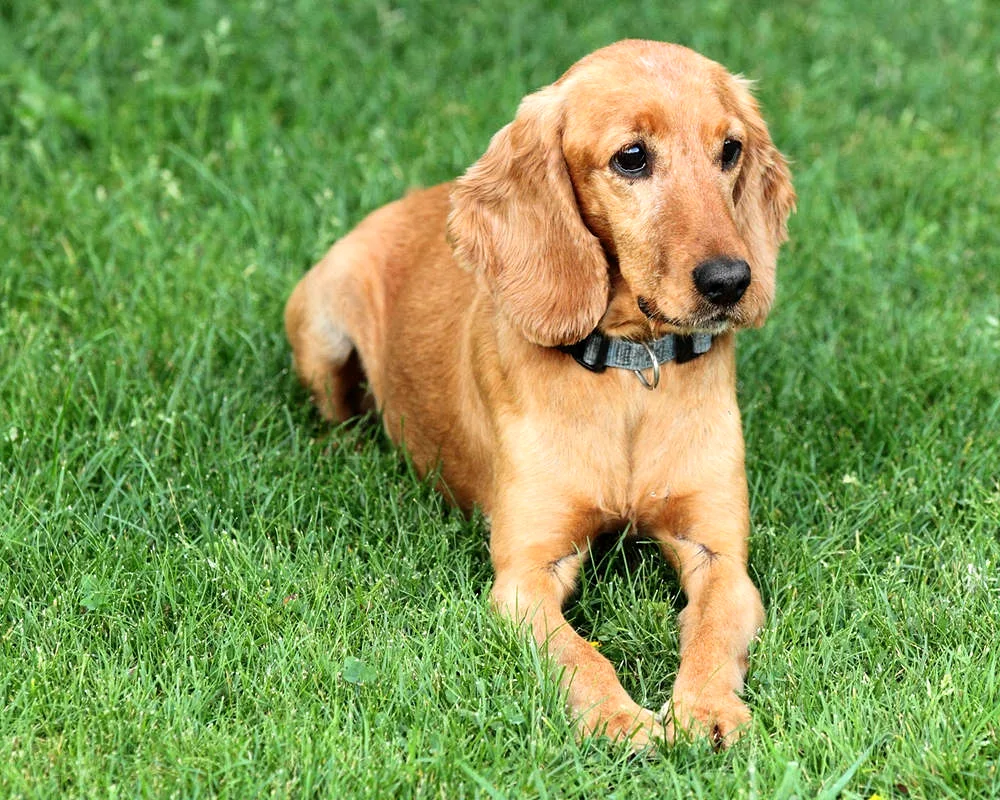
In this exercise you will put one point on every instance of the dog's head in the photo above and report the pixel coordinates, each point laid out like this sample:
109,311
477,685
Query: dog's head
640,191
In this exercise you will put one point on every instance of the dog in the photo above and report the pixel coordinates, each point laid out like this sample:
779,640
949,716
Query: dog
555,333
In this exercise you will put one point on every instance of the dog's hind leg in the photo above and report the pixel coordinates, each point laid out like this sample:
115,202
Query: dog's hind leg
324,353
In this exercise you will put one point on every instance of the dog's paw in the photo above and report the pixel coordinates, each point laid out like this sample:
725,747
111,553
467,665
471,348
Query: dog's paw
722,719
637,726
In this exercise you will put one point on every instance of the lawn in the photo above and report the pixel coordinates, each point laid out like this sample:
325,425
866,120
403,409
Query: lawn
206,592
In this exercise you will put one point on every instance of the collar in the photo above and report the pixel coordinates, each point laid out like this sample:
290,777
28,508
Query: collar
597,352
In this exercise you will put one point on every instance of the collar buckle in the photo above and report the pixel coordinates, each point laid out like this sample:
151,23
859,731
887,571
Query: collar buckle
684,350
590,353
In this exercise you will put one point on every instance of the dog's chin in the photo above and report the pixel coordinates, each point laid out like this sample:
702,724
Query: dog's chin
643,319
644,329
682,328
715,323
702,319
714,327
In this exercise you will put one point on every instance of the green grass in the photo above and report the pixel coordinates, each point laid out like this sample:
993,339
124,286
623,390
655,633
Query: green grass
206,593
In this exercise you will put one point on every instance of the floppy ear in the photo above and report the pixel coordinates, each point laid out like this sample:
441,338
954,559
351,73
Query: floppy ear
515,221
763,195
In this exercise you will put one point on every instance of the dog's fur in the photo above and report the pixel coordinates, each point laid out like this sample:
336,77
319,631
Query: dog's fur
453,300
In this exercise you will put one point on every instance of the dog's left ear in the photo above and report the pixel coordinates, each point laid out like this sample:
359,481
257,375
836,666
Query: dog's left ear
515,221
763,195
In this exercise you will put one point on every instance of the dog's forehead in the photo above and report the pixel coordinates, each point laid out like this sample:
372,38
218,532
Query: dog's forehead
647,86
600,111
641,54
655,66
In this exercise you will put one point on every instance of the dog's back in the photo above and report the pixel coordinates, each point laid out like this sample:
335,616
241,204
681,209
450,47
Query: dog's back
391,297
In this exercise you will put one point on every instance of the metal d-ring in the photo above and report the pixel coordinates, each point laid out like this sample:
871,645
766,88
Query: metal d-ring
656,369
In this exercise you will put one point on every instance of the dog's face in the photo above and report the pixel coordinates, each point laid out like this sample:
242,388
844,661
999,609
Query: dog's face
641,191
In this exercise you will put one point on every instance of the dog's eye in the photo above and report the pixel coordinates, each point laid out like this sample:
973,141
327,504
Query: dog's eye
731,149
631,161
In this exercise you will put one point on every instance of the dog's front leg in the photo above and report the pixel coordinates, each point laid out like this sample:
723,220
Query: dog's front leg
537,553
723,614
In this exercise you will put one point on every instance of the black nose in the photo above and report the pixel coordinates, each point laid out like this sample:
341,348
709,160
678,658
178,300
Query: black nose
722,281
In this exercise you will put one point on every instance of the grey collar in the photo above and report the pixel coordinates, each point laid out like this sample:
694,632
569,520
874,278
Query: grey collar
598,352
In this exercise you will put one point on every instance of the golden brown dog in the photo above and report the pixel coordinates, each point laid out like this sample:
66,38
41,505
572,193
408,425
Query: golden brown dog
641,195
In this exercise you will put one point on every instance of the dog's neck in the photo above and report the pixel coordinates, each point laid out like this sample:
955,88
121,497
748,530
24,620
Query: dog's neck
599,351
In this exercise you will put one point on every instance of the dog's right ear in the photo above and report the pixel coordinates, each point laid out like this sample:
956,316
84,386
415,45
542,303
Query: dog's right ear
515,221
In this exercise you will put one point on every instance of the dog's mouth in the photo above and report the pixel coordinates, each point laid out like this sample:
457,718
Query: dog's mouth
714,321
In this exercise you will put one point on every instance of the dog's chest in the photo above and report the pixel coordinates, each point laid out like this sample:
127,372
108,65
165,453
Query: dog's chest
622,452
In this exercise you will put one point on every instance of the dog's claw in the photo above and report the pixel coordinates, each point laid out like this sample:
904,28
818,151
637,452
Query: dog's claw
721,720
